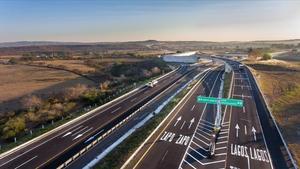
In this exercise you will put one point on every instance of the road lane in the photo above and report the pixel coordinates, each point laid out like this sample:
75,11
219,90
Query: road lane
168,145
51,145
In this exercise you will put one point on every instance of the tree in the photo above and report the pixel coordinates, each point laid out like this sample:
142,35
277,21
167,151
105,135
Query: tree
267,56
13,127
31,102
75,92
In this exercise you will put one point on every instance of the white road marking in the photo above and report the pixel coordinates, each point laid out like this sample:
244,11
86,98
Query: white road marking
82,133
201,140
236,95
178,119
191,122
193,107
245,129
219,148
221,154
221,142
68,133
209,134
115,110
80,130
133,99
244,109
198,152
26,162
254,133
182,125
199,146
203,136
189,164
164,155
237,130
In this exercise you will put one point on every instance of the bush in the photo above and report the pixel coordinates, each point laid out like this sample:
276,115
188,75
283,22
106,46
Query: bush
73,93
266,56
13,127
31,102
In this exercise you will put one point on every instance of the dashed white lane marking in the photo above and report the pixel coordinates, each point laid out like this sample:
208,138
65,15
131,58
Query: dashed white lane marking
26,162
182,125
164,155
79,135
80,130
133,99
193,107
236,95
245,129
244,109
115,110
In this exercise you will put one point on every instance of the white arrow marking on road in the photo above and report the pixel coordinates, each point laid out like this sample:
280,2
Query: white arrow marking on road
79,135
254,133
237,130
191,122
179,118
68,133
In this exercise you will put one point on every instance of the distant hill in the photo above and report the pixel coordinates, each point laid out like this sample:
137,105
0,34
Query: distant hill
16,48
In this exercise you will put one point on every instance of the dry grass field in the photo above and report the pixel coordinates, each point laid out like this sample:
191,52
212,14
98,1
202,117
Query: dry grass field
19,80
280,82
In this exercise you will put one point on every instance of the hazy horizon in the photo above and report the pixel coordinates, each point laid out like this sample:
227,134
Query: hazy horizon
162,20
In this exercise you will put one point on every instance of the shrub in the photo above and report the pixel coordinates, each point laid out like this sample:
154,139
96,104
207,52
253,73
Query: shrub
31,102
266,56
13,127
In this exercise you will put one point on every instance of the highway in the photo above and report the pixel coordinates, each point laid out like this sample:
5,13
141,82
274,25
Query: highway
140,116
168,144
56,147
247,139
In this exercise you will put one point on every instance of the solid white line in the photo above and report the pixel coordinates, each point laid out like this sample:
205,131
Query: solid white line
208,122
222,137
115,110
189,164
198,152
225,132
182,125
201,140
199,146
203,136
205,125
221,154
26,162
204,132
221,142
194,158
219,148
245,129
193,107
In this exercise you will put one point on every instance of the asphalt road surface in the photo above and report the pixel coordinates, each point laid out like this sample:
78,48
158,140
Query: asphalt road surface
58,146
248,138
168,144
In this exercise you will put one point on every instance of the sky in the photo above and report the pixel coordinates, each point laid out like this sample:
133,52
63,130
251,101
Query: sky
136,20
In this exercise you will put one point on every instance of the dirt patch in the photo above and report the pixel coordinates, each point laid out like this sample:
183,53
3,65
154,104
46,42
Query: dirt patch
19,80
280,83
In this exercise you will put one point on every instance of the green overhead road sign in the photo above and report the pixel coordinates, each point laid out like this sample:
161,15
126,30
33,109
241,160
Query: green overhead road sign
213,100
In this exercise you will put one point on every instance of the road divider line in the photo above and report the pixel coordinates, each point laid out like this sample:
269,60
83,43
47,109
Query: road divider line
75,120
26,162
184,99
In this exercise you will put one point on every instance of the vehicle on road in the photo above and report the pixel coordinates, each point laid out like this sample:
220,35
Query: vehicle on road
152,83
